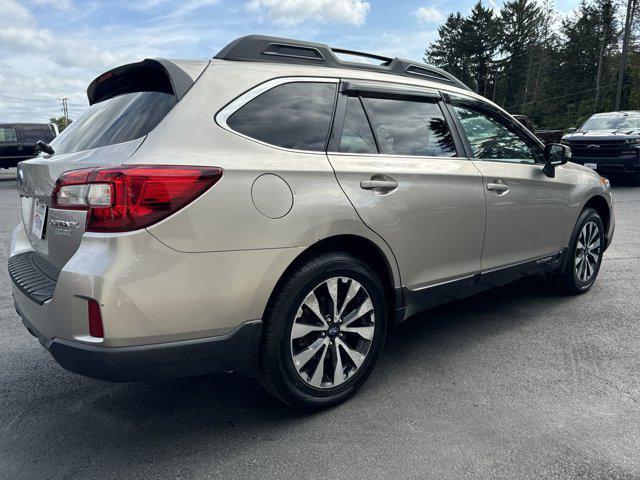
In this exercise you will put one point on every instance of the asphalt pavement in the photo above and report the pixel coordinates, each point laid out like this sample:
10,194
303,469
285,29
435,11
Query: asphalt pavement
513,383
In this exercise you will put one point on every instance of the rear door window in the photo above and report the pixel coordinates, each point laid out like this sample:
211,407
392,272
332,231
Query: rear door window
356,132
410,127
116,120
294,115
8,134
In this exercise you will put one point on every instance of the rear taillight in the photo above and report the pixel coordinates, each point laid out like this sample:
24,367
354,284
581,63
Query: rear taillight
131,197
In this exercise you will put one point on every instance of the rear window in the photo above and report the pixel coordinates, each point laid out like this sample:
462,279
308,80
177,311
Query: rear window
119,119
8,134
294,115
33,134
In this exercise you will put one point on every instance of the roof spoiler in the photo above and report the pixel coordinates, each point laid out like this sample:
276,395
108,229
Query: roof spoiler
149,75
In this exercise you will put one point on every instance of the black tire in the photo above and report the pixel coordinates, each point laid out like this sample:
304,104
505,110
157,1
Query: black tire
277,371
635,179
569,280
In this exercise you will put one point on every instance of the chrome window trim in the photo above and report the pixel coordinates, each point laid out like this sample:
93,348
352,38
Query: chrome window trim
394,155
223,115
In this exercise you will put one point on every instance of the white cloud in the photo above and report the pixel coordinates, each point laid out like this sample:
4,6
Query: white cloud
180,8
38,65
429,15
293,12
57,4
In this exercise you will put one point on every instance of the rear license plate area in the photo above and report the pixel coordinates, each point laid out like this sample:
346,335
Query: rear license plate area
39,219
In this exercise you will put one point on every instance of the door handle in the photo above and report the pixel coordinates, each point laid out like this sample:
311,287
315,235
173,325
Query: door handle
385,185
498,187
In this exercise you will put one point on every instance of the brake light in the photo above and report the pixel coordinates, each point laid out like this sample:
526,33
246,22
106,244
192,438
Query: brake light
133,196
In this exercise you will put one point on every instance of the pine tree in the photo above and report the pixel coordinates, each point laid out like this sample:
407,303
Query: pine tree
521,23
450,51
483,42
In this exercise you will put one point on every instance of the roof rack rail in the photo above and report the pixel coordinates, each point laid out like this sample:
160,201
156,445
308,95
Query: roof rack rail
260,48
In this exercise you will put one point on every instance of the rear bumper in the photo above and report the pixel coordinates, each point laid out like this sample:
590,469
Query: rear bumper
235,352
165,313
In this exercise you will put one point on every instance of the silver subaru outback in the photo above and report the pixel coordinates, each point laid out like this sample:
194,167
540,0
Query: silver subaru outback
275,210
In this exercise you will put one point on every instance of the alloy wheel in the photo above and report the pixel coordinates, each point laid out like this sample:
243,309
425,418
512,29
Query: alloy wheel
332,332
588,251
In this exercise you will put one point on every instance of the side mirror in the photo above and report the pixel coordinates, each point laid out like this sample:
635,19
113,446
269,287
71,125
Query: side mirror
571,129
555,154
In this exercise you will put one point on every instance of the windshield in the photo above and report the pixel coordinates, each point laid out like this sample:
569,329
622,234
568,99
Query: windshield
614,121
119,119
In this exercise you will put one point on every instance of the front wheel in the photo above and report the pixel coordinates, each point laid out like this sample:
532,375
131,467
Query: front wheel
323,331
584,254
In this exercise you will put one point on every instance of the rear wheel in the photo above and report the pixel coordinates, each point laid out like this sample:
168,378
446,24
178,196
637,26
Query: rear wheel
635,179
323,331
584,254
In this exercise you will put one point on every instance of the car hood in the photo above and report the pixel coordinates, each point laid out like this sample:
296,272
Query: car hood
602,134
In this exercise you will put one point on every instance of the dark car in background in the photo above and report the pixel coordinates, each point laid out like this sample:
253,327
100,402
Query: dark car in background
546,136
18,141
609,143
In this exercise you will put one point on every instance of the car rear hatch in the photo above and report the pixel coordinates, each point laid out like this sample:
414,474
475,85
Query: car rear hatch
126,103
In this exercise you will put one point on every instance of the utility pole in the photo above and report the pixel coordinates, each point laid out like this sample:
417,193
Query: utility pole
623,54
65,111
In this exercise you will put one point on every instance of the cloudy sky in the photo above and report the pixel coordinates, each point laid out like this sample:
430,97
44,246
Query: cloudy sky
54,48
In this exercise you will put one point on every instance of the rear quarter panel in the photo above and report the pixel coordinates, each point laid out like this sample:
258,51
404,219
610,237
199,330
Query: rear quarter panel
225,218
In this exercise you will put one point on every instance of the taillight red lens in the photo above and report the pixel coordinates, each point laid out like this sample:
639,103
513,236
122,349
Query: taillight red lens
96,328
131,197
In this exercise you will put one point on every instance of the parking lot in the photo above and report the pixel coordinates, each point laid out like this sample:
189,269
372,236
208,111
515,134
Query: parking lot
513,383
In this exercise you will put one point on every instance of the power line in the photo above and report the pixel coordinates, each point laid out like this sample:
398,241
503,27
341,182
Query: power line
28,99
563,96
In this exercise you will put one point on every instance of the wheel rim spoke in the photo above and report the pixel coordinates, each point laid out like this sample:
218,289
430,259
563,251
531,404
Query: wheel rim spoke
312,303
356,357
302,358
302,329
333,332
587,253
365,332
332,287
365,308
316,379
338,371
354,288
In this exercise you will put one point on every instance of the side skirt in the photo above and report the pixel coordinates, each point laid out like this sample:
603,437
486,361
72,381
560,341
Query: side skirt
424,299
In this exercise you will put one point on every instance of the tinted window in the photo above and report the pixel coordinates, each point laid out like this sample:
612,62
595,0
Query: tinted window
293,115
493,137
356,132
119,119
8,134
33,134
405,127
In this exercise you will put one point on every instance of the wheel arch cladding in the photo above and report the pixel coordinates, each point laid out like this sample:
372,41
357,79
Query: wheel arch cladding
359,247
600,205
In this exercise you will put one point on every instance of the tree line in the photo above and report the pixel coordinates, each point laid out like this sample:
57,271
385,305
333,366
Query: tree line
527,57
